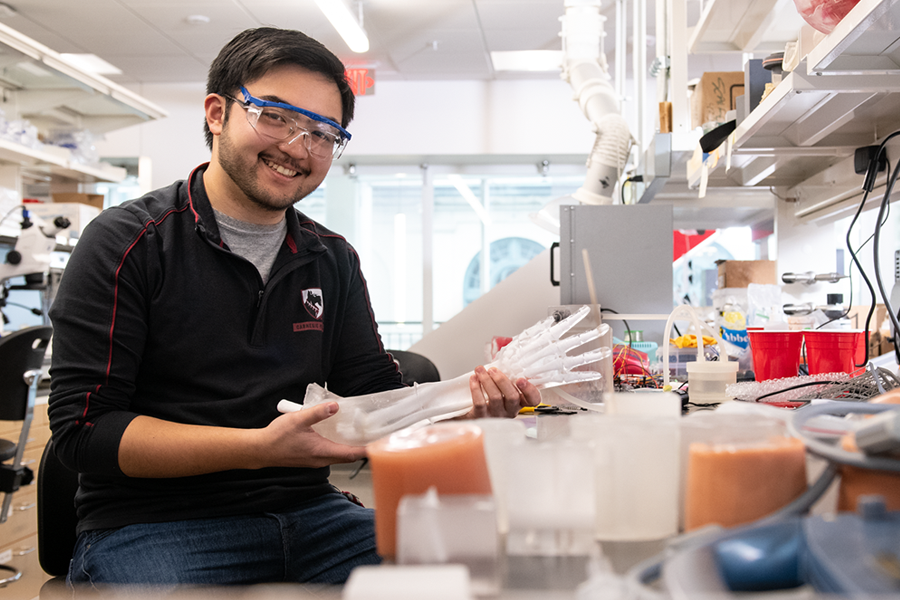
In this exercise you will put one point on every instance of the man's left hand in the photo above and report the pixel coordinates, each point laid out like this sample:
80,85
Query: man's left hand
495,395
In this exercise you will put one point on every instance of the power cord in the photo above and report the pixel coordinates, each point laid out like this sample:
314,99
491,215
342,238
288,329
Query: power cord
868,186
632,179
885,203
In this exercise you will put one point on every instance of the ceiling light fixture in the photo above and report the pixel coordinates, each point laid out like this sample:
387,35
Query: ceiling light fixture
527,60
91,63
338,13
197,20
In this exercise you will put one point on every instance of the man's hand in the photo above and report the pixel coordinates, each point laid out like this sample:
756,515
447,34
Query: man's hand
494,395
153,447
294,443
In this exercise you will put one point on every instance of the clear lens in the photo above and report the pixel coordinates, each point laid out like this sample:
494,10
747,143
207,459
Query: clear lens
320,139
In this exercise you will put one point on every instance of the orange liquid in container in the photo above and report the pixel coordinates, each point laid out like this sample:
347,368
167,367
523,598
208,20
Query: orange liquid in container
449,457
856,481
732,485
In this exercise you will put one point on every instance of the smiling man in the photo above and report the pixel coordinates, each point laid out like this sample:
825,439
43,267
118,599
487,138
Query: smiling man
184,317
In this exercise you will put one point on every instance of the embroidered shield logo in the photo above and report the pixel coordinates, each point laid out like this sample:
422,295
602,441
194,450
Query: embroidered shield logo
312,301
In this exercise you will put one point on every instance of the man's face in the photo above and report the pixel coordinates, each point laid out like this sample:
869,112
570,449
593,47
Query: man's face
273,175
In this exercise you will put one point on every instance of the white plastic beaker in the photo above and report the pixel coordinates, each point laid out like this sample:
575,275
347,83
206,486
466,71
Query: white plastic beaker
502,440
636,466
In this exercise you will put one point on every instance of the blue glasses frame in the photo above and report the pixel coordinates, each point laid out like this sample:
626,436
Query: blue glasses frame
248,99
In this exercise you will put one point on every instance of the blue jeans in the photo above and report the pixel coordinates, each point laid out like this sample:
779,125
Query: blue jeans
320,541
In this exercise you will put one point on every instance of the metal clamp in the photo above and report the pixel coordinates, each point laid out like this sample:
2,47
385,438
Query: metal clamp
810,278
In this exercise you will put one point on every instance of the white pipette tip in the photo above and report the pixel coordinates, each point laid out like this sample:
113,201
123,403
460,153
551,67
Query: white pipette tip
286,406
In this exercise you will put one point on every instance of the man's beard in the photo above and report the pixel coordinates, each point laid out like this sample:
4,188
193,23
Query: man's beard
244,175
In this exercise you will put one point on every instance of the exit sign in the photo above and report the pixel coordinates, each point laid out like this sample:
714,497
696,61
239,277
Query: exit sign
362,81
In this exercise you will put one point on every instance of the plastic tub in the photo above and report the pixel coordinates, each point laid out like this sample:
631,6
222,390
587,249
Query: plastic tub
776,354
835,351
447,456
707,380
636,470
732,484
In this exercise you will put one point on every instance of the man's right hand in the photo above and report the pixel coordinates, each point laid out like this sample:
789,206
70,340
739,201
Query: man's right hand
295,444
153,447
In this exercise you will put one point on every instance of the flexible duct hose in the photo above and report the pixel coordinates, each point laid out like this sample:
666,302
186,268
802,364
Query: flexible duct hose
584,67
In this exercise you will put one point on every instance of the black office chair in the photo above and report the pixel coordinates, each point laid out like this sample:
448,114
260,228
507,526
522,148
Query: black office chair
415,368
21,357
57,520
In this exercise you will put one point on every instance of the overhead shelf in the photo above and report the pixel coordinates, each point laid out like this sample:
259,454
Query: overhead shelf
41,87
807,124
866,41
745,26
56,163
820,113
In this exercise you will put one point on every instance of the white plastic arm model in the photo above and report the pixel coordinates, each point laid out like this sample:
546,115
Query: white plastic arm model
539,354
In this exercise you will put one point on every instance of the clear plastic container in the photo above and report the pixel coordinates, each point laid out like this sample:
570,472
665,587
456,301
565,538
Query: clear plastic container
707,380
550,499
636,468
447,456
454,529
738,468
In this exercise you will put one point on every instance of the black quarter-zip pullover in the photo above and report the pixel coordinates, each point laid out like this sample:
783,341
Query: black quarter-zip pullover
156,316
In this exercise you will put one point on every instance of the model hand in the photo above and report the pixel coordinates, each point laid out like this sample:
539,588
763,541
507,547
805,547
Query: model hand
293,443
495,395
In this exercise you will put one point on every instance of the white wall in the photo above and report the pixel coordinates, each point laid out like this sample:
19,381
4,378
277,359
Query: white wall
405,118
470,117
175,144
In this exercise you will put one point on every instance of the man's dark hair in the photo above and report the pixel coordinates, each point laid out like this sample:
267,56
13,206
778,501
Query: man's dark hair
253,52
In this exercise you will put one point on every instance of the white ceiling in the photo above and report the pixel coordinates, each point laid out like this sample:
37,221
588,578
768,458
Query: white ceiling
151,41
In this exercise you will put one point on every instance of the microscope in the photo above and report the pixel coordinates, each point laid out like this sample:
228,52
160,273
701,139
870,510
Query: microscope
30,258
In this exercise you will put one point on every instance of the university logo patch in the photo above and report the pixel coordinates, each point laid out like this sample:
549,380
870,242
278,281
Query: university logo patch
312,302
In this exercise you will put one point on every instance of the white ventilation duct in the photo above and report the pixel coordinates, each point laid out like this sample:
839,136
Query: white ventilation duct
585,68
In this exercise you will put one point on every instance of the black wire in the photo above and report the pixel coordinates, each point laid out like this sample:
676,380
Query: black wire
627,328
850,277
885,202
34,311
796,387
850,272
849,302
696,405
635,179
855,258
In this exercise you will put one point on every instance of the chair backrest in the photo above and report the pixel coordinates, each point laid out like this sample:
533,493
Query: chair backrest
414,367
20,351
57,520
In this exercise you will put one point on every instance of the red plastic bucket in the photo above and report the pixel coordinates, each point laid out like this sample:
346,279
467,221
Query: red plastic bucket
776,354
835,351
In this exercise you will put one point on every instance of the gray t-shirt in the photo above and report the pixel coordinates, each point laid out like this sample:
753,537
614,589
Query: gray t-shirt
257,243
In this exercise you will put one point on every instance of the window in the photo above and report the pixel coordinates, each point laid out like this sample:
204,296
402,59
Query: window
477,219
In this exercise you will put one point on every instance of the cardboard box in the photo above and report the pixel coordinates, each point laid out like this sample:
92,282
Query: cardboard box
741,273
716,94
95,200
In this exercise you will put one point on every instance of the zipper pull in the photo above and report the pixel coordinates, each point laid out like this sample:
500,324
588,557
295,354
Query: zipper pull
259,298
